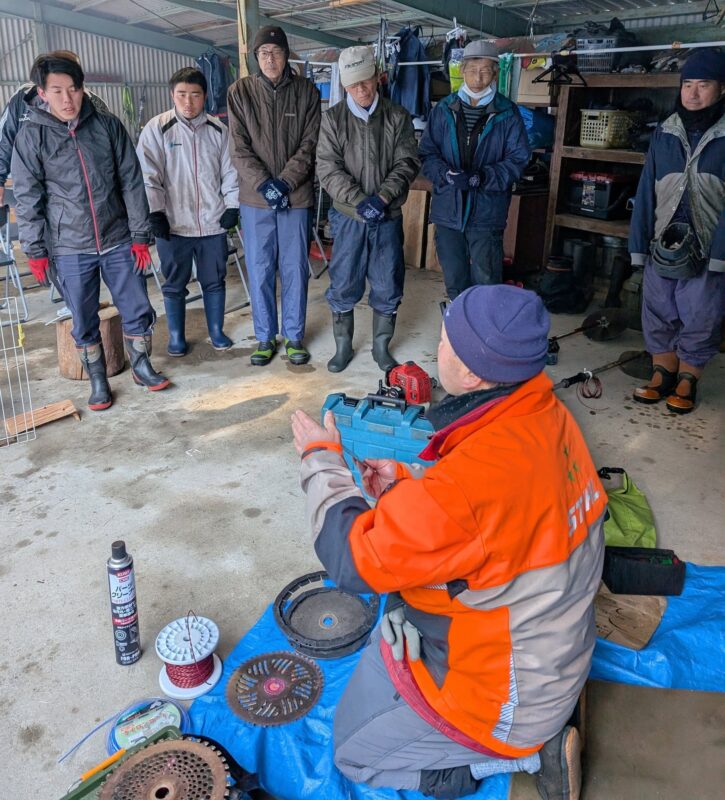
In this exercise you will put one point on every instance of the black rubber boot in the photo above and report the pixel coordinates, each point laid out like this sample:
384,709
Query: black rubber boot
139,350
383,330
343,327
93,360
214,310
176,323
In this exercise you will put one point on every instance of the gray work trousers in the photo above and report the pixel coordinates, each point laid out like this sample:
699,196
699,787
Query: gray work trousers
379,740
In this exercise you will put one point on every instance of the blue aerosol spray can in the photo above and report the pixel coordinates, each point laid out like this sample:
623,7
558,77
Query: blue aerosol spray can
124,611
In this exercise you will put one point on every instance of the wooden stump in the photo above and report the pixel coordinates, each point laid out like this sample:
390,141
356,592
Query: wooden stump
69,364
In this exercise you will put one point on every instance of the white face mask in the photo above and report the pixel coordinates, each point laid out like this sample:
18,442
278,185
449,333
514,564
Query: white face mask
486,94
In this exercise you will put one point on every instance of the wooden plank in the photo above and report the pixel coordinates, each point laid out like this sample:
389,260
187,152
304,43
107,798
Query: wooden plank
555,172
610,227
40,416
431,255
415,222
604,154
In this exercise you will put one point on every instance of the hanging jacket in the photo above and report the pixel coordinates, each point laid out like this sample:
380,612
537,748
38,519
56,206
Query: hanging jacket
274,132
16,112
500,155
410,85
356,159
496,551
187,172
671,169
84,184
215,69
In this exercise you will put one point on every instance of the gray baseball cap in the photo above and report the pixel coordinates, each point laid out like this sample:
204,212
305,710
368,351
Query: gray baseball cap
481,49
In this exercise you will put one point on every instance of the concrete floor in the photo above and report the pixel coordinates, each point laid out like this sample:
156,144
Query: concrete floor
201,482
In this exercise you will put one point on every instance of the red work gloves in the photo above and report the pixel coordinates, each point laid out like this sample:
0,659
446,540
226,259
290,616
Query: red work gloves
39,268
141,257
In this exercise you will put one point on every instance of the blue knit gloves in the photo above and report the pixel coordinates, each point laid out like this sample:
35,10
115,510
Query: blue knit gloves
371,209
463,181
275,192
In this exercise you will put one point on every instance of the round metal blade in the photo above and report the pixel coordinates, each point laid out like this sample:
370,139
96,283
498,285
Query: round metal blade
274,688
640,368
607,324
327,614
173,770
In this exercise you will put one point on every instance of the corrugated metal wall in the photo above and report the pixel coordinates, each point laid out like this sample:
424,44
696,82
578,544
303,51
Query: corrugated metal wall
108,64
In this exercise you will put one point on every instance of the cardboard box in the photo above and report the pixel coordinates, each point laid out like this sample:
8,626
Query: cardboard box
533,93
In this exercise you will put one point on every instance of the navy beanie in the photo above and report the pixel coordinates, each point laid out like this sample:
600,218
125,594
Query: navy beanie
707,64
499,332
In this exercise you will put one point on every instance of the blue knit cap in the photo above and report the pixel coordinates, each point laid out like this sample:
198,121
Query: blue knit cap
499,332
707,64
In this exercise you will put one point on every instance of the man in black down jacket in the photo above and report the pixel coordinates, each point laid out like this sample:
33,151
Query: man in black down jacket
76,175
12,118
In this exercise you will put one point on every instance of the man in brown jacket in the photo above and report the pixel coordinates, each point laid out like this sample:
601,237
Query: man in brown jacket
274,121
366,159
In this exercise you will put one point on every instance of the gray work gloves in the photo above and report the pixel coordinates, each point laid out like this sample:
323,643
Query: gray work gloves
397,631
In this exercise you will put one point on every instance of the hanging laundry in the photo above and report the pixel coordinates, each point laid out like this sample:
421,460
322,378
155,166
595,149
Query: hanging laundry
410,85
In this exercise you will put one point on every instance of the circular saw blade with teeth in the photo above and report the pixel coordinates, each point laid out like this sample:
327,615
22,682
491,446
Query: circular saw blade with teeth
274,688
172,770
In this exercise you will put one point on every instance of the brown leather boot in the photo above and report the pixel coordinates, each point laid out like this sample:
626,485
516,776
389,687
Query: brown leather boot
679,403
654,392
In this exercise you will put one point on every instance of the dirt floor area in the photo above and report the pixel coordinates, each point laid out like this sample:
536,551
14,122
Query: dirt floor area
202,483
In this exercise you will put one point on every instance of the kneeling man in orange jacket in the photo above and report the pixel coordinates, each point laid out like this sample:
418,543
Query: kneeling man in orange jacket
491,558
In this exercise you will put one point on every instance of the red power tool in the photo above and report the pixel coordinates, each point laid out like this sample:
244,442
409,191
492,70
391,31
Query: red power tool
408,382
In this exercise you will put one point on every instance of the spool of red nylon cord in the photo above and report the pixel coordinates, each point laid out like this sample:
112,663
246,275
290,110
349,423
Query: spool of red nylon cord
191,667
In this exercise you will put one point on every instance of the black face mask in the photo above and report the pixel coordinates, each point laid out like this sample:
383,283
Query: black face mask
703,118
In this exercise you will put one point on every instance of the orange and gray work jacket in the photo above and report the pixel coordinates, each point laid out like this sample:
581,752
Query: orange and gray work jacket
496,551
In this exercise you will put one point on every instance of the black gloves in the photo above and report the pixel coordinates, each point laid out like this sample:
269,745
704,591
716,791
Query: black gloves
230,218
159,225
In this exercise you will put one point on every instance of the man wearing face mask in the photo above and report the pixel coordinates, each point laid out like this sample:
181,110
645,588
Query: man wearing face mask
366,159
678,236
473,151
274,121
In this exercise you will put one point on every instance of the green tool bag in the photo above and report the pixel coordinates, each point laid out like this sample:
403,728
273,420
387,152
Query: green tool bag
630,522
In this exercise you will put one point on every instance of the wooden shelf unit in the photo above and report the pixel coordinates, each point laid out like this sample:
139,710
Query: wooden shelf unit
611,89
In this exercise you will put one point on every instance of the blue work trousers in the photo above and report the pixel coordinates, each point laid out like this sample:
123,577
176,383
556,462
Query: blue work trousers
360,252
176,256
277,240
472,257
683,316
80,278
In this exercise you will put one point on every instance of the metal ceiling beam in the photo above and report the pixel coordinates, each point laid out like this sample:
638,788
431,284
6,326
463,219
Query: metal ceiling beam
471,14
644,12
230,12
102,26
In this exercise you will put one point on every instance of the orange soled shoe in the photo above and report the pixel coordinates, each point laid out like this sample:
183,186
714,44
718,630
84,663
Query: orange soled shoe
683,403
655,390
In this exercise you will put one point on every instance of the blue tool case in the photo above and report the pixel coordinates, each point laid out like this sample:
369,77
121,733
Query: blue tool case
379,427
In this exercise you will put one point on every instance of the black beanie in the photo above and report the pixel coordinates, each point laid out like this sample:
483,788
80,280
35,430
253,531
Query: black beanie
271,34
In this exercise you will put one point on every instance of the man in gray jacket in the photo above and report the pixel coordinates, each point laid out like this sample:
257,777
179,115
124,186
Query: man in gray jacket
274,121
76,177
191,185
366,159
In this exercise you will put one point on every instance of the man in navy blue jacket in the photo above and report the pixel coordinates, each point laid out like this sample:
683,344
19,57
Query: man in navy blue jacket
473,150
678,235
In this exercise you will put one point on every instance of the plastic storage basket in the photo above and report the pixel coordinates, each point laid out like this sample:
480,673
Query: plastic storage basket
595,62
605,128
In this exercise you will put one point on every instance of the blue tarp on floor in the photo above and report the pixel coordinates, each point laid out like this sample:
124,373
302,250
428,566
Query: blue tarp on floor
687,651
294,761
